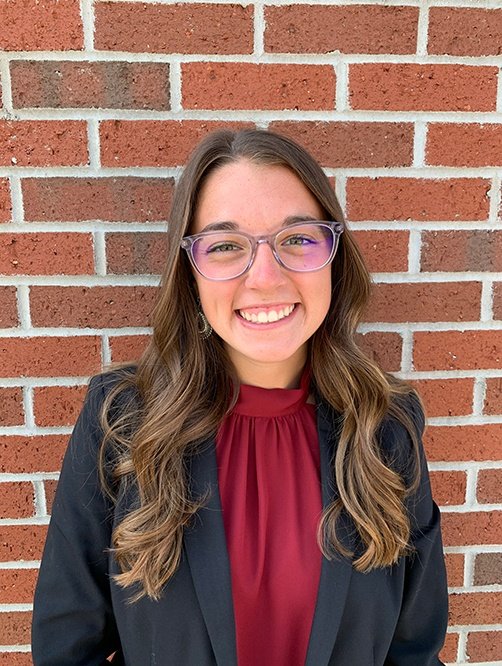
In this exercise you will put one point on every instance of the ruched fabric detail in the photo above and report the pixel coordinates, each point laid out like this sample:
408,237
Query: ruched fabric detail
269,480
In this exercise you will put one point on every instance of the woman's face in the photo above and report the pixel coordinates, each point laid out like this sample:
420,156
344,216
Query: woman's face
261,199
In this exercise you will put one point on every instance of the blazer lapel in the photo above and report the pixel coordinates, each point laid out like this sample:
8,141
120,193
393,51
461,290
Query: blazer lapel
206,549
336,573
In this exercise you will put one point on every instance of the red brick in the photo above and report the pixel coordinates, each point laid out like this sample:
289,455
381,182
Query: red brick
11,410
446,397
46,253
8,308
353,144
478,527
455,569
422,199
476,250
449,652
455,443
68,84
127,348
40,25
384,251
22,454
57,405
457,350
425,301
497,300
42,143
462,145
5,205
15,659
383,348
430,87
475,608
15,628
17,585
350,29
16,500
91,307
154,142
50,356
126,199
484,646
488,569
493,398
136,253
229,85
180,28
490,486
448,487
50,490
21,542
465,31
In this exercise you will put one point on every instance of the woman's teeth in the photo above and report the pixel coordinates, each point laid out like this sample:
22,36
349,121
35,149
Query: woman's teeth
267,317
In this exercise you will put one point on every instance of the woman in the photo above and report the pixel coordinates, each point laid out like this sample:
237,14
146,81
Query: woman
255,490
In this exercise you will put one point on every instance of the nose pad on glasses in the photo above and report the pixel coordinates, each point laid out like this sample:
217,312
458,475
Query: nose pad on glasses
265,266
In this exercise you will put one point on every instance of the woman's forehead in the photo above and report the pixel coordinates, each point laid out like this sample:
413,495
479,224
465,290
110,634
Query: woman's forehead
244,193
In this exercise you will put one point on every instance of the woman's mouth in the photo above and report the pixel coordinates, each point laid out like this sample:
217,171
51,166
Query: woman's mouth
257,316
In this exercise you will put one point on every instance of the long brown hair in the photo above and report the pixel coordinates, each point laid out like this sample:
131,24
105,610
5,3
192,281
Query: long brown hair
180,391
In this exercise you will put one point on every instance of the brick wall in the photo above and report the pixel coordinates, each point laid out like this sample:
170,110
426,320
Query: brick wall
402,104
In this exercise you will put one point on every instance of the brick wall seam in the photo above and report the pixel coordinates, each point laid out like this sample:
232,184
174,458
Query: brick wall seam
342,87
499,93
479,395
87,15
40,503
175,84
99,252
16,197
414,252
422,28
495,197
23,305
259,30
93,143
6,86
487,301
306,59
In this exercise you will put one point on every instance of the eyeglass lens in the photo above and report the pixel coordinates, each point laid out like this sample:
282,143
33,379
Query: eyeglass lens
225,254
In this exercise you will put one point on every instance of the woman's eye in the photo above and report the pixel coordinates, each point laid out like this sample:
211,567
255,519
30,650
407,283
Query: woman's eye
297,240
223,247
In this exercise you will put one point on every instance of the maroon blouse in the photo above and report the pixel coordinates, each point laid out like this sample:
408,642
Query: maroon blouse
268,472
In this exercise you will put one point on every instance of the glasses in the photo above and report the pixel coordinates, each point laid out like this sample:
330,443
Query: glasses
300,247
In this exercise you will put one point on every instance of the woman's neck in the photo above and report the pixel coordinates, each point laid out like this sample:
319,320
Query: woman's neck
284,374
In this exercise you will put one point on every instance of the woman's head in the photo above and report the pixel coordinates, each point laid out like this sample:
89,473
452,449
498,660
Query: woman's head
259,182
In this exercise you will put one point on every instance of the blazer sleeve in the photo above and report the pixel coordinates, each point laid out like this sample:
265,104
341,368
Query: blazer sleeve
73,620
421,627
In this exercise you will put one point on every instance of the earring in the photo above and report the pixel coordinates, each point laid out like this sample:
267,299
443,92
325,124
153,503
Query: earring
205,328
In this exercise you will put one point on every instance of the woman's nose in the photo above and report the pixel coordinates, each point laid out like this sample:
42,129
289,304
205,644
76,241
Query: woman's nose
265,272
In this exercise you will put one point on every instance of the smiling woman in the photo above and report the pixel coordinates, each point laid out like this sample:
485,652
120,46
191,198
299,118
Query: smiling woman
265,349
255,490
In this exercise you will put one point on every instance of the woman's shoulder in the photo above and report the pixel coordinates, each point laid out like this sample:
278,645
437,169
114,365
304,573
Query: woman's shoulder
108,380
117,385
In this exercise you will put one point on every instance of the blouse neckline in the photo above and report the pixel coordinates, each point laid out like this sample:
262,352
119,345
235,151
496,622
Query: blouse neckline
266,402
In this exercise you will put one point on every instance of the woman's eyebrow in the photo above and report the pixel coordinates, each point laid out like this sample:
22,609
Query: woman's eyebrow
233,226
221,226
293,219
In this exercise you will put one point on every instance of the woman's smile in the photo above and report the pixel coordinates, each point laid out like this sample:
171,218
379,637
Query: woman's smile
268,315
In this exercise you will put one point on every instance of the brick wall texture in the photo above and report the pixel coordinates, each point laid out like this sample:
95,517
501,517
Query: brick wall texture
401,101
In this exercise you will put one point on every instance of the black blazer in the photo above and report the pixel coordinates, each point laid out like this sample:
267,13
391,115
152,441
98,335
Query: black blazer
393,616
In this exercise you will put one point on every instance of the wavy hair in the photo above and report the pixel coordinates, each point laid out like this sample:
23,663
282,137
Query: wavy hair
181,389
